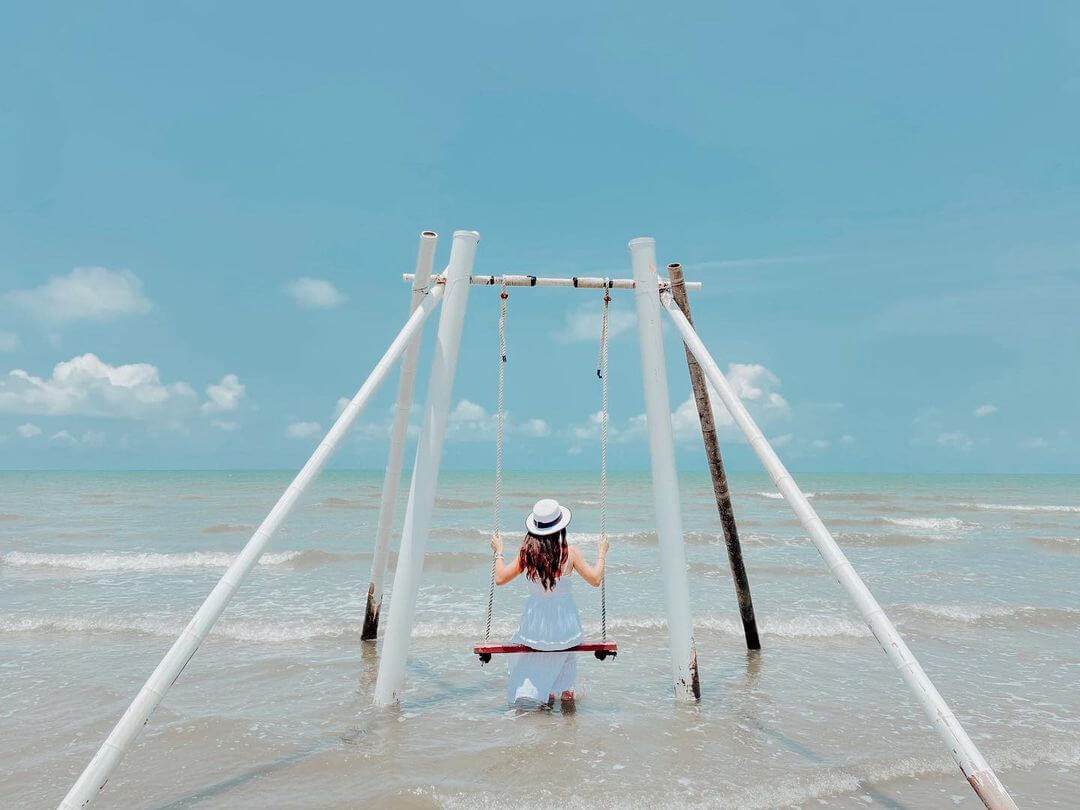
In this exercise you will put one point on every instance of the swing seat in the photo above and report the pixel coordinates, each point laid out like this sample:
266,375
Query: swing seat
601,649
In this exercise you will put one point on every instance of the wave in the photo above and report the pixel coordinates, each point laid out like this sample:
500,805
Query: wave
250,630
1019,507
147,561
1023,615
800,787
455,503
284,630
1059,543
878,540
343,503
776,496
228,528
5,516
933,524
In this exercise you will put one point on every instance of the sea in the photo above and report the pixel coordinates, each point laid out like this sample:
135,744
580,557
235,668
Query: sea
99,572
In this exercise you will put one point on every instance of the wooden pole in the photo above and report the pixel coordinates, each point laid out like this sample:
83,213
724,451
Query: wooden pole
716,470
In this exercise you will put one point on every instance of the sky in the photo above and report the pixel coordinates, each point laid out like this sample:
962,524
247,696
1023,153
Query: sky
205,210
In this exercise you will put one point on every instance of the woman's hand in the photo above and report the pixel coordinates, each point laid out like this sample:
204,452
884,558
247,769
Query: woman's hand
602,548
503,572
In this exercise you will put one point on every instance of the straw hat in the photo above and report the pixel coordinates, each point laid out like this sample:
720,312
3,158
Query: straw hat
547,518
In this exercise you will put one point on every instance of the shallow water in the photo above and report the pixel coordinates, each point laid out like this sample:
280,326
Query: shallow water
100,571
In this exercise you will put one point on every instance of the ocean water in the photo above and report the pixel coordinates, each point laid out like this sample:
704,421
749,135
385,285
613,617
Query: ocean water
100,571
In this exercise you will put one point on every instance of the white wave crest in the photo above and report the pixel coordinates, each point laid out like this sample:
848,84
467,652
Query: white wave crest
933,524
133,561
1020,507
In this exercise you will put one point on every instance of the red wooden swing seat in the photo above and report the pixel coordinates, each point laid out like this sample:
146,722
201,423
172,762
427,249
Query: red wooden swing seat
601,649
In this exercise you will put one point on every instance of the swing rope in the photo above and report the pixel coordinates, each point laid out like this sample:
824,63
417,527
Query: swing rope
601,649
504,295
601,372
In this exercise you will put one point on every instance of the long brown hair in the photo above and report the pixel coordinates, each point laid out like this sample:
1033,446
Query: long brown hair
543,557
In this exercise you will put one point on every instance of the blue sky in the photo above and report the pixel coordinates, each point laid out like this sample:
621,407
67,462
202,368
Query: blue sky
215,203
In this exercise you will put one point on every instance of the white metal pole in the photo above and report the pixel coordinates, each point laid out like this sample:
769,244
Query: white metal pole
97,772
974,767
417,526
669,529
402,410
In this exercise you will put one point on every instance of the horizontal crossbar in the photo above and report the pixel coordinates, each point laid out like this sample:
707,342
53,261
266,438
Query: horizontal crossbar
581,282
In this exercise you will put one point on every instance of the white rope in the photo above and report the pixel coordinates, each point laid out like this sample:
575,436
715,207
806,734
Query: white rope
500,419
602,373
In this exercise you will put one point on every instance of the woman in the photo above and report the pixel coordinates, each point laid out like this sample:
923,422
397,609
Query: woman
550,620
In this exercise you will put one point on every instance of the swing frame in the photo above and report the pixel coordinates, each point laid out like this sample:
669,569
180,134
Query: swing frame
652,297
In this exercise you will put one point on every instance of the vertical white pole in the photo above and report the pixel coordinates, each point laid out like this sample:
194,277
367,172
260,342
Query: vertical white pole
980,776
417,526
665,480
402,410
96,773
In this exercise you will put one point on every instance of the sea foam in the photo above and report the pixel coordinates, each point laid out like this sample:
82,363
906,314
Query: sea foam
134,561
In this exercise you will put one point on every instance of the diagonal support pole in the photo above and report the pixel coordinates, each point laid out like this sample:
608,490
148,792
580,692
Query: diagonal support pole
716,471
97,772
972,764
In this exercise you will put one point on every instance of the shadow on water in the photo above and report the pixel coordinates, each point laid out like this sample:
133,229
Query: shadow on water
219,789
373,719
755,661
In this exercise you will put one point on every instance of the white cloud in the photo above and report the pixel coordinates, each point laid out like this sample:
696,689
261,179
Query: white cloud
315,293
222,424
303,430
582,325
955,439
820,444
224,396
86,293
469,421
985,410
847,438
89,438
1035,443
87,386
9,341
782,441
340,406
753,383
536,428
94,438
466,411
28,430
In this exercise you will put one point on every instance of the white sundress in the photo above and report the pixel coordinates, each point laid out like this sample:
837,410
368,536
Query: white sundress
550,622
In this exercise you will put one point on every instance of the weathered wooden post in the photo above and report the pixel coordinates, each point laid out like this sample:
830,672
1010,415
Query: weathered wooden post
716,470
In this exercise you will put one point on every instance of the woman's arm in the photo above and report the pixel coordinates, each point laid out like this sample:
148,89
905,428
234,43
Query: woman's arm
503,572
593,574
